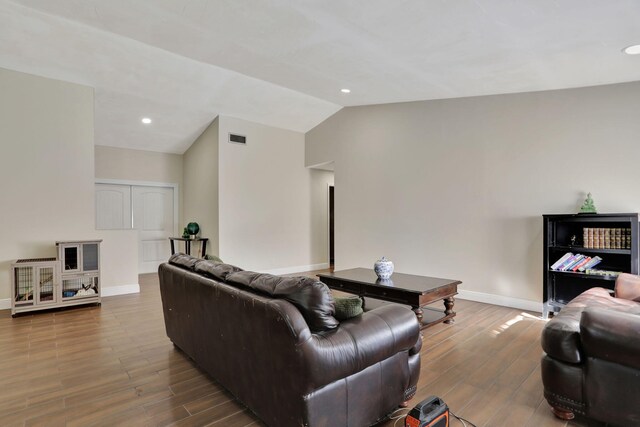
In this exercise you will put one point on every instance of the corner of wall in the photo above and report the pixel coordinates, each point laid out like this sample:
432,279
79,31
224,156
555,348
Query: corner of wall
200,184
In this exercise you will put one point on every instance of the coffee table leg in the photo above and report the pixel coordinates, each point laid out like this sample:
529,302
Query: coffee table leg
418,311
448,304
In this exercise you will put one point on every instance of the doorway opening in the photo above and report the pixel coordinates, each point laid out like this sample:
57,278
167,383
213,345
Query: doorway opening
331,230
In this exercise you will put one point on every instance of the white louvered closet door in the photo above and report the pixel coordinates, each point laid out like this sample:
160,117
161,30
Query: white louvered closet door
113,207
153,213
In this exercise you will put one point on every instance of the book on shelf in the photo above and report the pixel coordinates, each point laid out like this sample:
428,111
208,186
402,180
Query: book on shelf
584,261
577,260
595,272
566,263
592,263
569,262
628,238
559,262
576,263
606,238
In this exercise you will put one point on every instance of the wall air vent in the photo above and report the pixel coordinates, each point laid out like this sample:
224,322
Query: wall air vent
237,139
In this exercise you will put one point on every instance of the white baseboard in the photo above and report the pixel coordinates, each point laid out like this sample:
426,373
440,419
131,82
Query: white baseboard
298,269
120,290
5,304
521,304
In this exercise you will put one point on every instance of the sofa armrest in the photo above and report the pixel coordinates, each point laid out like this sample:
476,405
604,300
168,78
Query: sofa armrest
561,336
611,335
361,342
628,287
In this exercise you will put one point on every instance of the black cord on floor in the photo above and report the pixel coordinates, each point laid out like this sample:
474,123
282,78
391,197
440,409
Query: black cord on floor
462,420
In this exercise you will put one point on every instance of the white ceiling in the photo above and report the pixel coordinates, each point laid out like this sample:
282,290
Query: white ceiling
283,62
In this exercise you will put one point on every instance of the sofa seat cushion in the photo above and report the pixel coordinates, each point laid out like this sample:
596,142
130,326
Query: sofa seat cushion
312,298
561,336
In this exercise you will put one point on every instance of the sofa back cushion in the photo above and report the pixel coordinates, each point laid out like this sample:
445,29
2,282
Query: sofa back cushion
312,298
183,260
217,270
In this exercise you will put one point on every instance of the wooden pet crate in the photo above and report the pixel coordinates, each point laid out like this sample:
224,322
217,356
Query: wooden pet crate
73,278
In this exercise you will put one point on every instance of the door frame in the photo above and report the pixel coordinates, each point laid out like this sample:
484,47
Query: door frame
174,186
329,186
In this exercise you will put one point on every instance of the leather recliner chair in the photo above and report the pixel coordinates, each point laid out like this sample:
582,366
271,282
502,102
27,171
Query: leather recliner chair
591,364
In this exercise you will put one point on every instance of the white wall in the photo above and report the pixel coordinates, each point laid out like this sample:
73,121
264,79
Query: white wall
140,166
456,188
119,261
47,173
201,185
265,199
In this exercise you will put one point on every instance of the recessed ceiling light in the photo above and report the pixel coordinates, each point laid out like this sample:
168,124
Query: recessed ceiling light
345,90
146,120
632,50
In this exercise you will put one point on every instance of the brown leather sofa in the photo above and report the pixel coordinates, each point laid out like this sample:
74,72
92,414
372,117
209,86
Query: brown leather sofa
592,361
274,344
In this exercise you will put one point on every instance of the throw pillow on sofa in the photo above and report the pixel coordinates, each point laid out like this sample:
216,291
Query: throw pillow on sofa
213,258
348,307
312,298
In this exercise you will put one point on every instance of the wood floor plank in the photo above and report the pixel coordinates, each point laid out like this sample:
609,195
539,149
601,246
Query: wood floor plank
169,416
113,365
543,417
483,406
516,415
206,402
212,415
174,400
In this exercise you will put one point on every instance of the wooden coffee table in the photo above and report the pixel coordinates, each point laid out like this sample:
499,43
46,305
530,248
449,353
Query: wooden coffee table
409,289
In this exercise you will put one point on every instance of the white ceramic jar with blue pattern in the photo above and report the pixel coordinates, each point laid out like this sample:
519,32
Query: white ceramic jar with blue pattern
383,268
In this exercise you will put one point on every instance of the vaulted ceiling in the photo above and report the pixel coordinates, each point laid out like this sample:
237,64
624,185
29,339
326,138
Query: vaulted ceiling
283,62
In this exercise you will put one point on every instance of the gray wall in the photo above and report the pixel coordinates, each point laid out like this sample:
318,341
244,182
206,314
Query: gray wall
269,202
138,165
456,188
47,179
200,190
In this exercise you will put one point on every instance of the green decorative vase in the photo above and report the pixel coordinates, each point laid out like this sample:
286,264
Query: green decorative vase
193,228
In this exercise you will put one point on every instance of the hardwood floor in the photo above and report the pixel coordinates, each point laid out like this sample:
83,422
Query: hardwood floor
113,365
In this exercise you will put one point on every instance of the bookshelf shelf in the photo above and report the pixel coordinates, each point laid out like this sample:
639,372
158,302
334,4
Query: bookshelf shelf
568,233
583,275
584,250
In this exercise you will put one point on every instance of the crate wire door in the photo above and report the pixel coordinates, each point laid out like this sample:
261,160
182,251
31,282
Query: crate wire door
46,279
24,281
34,282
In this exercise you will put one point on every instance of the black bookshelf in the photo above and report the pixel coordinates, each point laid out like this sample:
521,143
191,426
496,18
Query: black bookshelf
559,287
